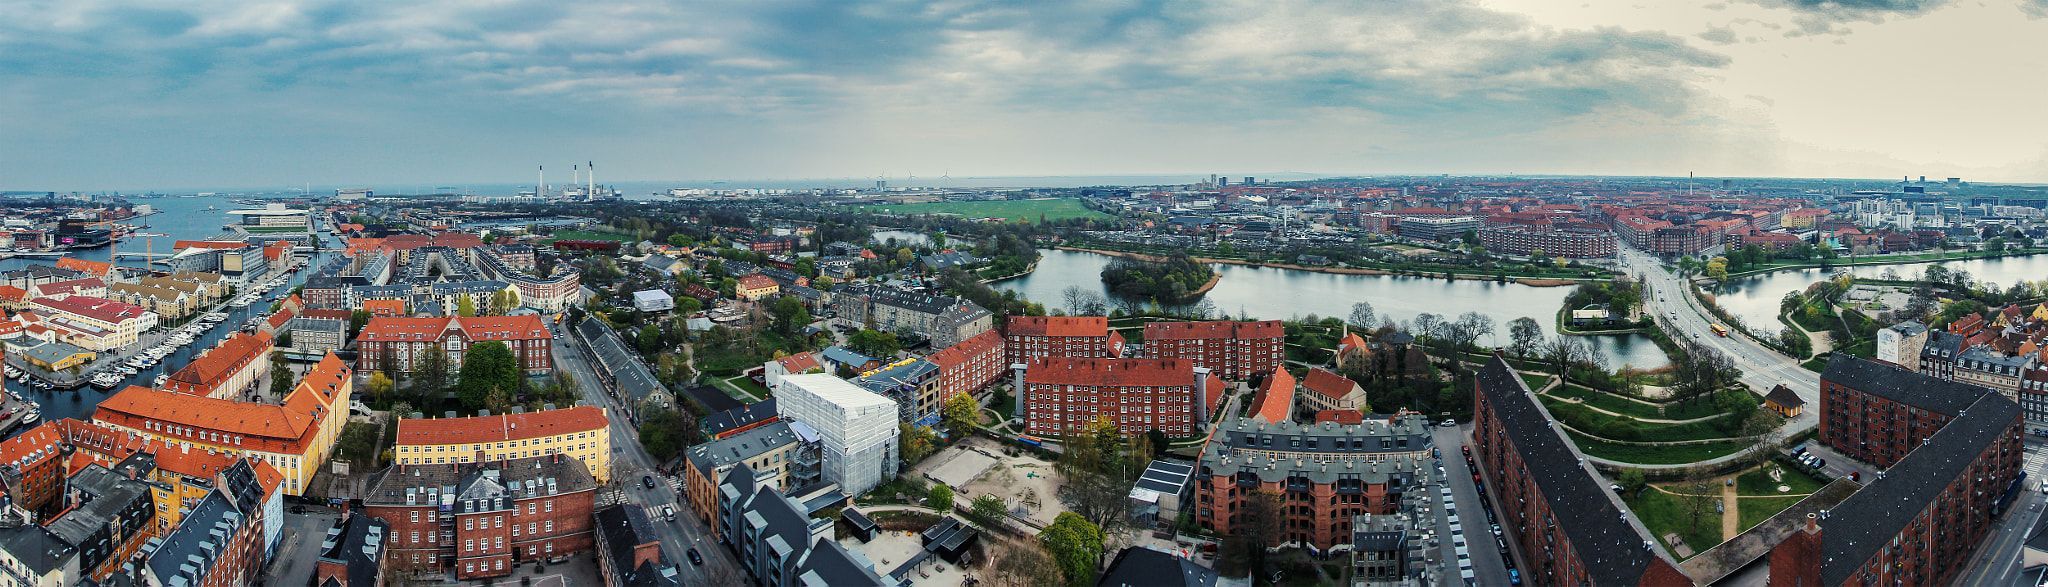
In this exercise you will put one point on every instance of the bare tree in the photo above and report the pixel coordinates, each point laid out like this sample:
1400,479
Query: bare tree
1076,299
1018,564
1697,495
1362,316
1471,327
1526,334
1430,325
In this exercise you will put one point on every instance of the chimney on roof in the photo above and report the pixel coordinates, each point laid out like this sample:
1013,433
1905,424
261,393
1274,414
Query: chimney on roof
1812,523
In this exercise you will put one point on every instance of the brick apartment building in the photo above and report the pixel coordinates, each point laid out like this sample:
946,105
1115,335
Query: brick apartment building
1062,394
970,366
1878,413
227,369
1921,522
1233,350
1556,511
499,514
397,343
1570,243
1031,337
1325,474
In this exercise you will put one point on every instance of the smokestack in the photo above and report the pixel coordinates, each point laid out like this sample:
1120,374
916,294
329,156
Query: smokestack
1812,522
540,188
587,193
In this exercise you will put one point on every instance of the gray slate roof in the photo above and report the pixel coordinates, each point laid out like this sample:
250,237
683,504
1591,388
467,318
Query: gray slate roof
1943,397
1587,516
1866,522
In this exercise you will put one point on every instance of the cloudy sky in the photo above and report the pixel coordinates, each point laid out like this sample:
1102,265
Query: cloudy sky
108,94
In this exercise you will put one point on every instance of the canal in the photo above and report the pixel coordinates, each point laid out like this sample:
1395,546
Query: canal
1267,293
181,219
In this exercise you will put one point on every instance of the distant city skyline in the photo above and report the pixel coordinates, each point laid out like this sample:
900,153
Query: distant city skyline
131,96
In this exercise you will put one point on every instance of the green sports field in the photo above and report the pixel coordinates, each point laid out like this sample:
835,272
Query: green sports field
1031,210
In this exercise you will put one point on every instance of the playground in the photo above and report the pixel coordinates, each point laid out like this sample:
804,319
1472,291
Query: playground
978,466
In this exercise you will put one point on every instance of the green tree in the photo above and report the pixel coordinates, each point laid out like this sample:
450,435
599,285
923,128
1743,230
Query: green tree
649,339
677,240
874,343
988,510
504,301
915,443
940,498
430,373
962,414
465,307
904,256
1076,545
488,366
281,378
356,321
379,386
657,433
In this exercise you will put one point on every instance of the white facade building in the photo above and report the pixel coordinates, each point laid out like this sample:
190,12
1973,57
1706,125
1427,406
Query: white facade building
857,427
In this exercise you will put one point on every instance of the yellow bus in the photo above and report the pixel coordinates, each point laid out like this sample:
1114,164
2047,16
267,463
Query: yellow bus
1721,330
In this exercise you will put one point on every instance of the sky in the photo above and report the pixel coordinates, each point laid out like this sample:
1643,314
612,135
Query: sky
130,95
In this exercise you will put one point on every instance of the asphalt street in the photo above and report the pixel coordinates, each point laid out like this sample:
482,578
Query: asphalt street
1487,568
630,464
1762,368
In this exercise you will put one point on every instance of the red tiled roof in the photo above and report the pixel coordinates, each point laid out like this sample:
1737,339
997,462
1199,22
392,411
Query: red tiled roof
799,362
279,319
1276,397
1212,389
91,307
196,464
13,294
756,281
1119,372
85,266
499,427
209,369
1057,326
329,314
328,379
385,307
458,240
1350,341
1323,381
986,342
265,427
406,242
71,286
476,328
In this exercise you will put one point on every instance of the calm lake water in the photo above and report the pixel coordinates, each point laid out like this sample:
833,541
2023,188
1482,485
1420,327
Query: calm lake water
1755,299
1268,294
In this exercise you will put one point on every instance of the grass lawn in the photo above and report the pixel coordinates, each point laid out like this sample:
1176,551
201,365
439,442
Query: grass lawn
1654,455
1759,483
1648,432
735,391
1609,402
747,384
1663,514
1031,210
1757,509
1536,381
1816,364
584,235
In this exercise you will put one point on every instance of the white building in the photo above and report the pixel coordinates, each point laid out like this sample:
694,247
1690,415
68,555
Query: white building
653,300
857,427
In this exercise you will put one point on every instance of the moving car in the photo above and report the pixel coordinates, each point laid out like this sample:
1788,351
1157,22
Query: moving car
669,511
649,479
695,559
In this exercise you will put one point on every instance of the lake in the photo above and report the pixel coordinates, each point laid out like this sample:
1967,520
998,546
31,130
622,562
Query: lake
1268,293
1755,299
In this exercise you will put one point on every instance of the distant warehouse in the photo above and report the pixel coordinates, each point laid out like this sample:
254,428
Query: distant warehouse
1571,243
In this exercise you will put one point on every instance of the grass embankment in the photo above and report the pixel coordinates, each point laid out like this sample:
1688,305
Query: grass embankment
1664,514
1655,455
1755,510
1028,210
1537,381
1684,410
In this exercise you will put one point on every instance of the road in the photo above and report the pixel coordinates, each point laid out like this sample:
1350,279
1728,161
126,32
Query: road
1762,368
630,464
1487,568
1997,561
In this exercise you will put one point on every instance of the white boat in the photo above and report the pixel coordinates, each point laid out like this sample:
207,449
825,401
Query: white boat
161,378
31,418
129,371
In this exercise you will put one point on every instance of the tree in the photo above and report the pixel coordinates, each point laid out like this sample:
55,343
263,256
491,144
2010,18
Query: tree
1718,268
988,510
430,373
874,343
658,434
504,301
1363,317
1470,327
281,379
1075,298
790,315
1075,546
356,321
1526,334
379,386
904,256
464,306
1020,564
1697,495
1631,480
940,498
962,414
1766,427
914,443
284,339
649,339
488,367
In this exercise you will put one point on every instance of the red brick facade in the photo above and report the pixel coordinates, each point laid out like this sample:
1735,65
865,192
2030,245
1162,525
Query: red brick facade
483,537
1031,337
1233,350
1138,394
399,342
969,366
1323,474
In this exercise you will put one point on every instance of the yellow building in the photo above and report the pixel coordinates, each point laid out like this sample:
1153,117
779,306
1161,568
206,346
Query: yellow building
754,287
580,431
295,438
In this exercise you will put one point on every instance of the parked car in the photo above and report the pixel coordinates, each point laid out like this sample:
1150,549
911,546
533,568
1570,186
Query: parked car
695,558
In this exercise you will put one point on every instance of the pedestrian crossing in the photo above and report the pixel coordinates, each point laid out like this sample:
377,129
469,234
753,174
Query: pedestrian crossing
2036,461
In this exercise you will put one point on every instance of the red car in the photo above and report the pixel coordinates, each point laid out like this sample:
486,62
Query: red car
1467,449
